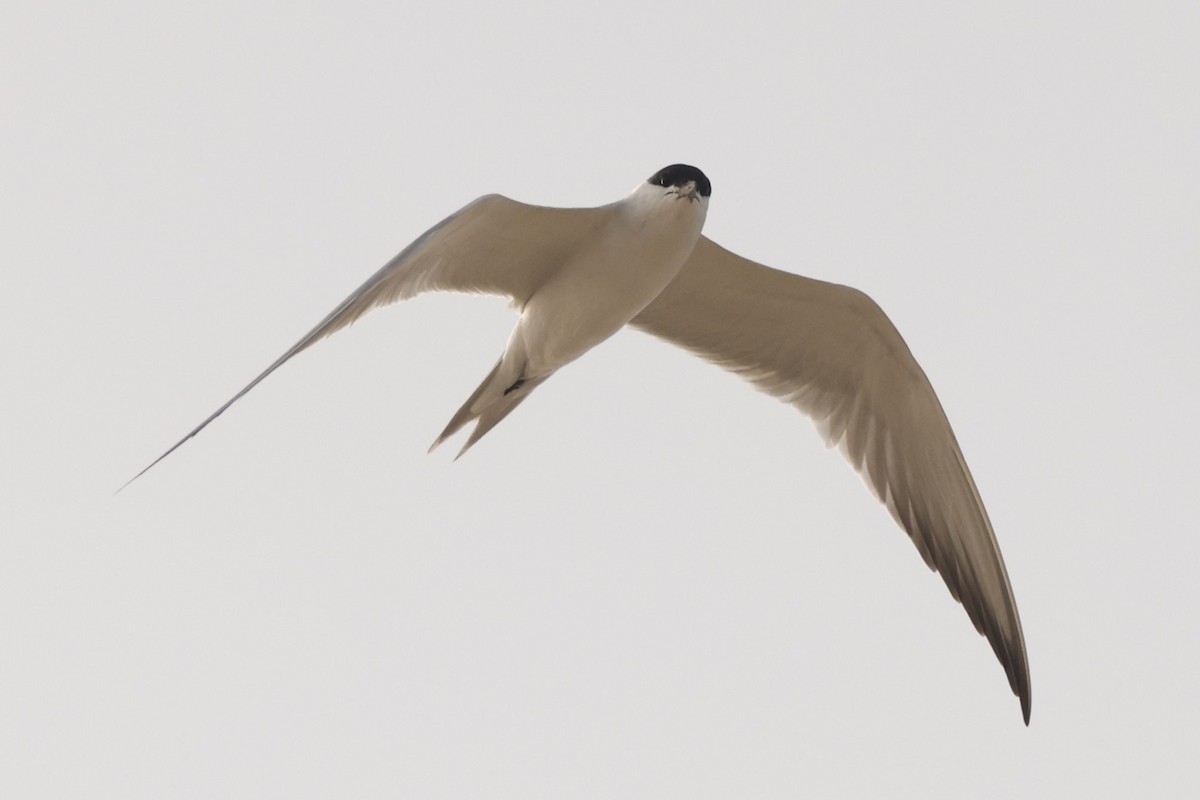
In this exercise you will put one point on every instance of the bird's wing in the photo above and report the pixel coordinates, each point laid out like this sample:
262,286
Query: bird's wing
492,246
832,353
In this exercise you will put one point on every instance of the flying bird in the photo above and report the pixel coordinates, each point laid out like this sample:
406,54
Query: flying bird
578,275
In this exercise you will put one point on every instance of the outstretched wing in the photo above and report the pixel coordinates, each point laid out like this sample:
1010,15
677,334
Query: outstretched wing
492,246
832,353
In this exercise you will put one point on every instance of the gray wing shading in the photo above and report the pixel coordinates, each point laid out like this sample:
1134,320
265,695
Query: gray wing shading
492,246
832,353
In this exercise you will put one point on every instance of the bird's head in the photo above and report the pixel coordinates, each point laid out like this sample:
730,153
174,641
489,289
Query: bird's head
677,194
679,182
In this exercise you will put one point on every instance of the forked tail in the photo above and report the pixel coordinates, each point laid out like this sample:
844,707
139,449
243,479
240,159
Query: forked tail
500,392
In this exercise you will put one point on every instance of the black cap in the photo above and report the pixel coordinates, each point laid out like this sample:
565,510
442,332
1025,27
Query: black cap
678,175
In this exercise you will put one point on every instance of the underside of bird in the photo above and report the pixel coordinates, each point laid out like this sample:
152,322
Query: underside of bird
578,275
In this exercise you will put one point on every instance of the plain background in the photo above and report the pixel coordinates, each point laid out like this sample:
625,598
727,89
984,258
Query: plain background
650,581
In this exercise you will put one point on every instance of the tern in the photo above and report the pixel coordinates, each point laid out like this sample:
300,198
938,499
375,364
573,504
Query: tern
578,275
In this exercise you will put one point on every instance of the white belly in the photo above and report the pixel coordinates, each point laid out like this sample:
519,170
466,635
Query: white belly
606,285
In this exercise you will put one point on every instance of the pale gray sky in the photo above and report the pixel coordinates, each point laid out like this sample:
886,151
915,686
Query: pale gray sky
650,581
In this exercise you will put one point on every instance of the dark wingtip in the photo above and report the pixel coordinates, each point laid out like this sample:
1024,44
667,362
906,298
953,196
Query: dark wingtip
155,461
1021,686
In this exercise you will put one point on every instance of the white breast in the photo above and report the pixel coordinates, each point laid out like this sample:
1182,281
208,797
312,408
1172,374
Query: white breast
609,281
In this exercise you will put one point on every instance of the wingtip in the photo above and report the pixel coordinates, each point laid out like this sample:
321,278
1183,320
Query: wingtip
1021,686
145,470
